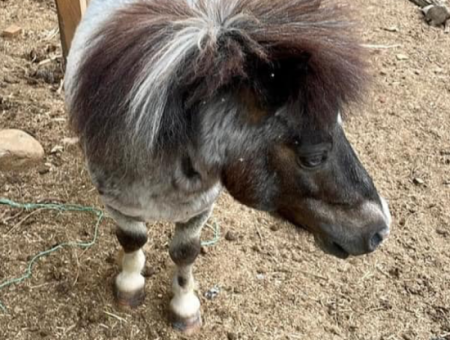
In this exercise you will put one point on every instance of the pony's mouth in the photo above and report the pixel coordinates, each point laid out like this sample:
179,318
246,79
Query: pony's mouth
327,246
332,248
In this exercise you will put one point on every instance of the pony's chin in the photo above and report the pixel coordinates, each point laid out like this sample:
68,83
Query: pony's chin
328,247
332,248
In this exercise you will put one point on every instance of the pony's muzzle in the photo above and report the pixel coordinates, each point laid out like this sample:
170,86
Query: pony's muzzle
343,241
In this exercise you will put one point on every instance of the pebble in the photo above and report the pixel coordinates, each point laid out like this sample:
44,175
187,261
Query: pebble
275,227
391,29
232,336
418,181
149,271
57,149
12,31
402,57
260,277
19,151
42,170
212,293
231,236
70,141
443,232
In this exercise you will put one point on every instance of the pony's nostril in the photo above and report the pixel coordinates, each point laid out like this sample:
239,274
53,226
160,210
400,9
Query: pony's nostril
376,240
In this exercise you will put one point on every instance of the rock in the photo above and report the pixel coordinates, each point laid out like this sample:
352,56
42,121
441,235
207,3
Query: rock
43,169
12,31
275,227
18,150
71,140
436,15
149,271
57,149
260,277
391,29
212,293
402,57
232,336
418,181
443,232
230,236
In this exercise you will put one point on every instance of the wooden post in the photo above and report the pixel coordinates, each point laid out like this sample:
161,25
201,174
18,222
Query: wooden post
69,15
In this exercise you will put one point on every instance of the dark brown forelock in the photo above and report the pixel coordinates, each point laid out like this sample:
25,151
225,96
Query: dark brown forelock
278,29
273,29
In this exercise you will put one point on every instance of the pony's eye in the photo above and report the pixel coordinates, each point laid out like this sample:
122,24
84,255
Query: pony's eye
313,161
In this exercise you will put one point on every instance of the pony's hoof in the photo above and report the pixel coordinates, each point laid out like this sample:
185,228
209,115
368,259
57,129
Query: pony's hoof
129,299
188,326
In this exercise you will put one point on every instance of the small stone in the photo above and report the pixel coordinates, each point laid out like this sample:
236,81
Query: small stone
256,248
232,336
443,232
70,140
275,227
383,72
402,57
230,236
392,29
56,149
12,31
203,250
42,170
212,293
19,150
148,271
44,333
418,181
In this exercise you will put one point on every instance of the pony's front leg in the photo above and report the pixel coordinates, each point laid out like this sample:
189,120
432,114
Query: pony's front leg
132,235
184,249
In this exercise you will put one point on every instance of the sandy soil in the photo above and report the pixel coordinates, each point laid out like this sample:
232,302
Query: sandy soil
274,283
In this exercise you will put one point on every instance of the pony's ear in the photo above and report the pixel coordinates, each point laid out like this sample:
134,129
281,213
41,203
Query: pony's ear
274,83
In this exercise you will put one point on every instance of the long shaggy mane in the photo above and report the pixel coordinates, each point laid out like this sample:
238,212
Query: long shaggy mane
154,59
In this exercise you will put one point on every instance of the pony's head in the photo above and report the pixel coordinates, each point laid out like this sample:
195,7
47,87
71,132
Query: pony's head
255,88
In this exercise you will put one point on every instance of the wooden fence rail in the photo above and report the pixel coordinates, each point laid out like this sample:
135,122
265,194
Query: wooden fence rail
69,15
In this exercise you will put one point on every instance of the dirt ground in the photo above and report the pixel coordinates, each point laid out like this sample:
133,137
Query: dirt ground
274,283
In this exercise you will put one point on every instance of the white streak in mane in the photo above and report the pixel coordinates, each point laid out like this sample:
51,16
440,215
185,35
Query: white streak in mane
150,94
